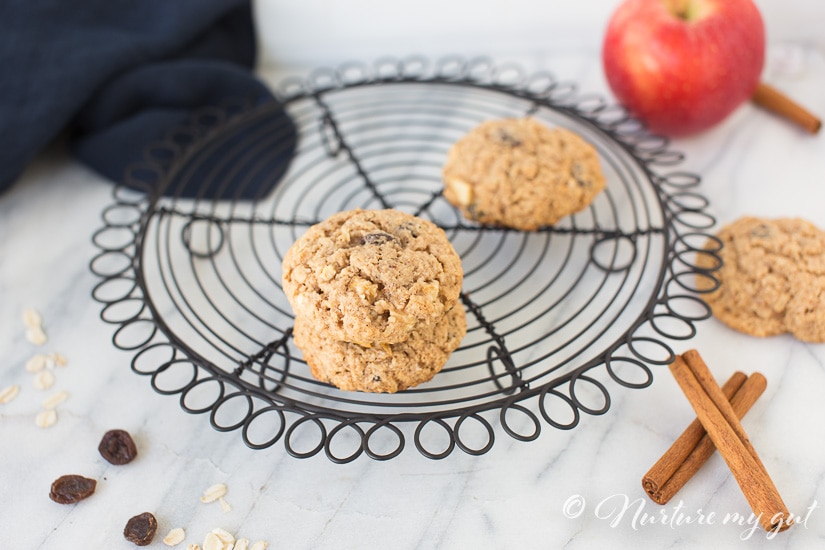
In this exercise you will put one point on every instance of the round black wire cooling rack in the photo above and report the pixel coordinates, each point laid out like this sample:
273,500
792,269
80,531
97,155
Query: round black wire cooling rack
191,279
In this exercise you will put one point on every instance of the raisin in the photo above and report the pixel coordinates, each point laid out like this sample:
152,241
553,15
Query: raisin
141,529
377,238
761,231
506,138
578,173
118,447
72,488
411,227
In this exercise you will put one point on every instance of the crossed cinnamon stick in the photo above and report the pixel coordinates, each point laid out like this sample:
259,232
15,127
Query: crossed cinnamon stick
717,427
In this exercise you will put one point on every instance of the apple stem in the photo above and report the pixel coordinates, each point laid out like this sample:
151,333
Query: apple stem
773,100
681,9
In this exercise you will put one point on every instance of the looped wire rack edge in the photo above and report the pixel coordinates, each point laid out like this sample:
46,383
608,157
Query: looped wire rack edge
555,317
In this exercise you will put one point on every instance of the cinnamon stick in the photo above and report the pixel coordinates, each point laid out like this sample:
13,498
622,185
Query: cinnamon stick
771,99
694,447
723,428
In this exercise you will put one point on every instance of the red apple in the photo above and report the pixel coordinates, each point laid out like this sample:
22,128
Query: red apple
682,66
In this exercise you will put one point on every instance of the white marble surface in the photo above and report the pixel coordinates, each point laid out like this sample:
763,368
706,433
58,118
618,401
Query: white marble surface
519,495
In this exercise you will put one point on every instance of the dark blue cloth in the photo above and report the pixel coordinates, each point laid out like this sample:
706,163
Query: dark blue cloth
115,75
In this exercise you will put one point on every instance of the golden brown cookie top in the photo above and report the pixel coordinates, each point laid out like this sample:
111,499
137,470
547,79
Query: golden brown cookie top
371,276
772,277
517,172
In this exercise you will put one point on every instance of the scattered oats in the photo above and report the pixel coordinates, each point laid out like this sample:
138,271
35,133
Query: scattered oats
36,363
36,336
8,394
213,493
43,380
55,400
260,545
212,542
193,546
241,544
58,359
225,505
223,535
31,318
46,419
174,537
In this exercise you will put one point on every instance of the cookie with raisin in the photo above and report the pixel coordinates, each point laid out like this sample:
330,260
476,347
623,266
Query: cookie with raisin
771,279
519,173
387,368
371,277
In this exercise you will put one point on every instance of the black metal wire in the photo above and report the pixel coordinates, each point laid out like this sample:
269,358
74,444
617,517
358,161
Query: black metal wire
554,316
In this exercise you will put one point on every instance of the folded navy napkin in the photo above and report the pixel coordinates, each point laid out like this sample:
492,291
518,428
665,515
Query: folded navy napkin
116,75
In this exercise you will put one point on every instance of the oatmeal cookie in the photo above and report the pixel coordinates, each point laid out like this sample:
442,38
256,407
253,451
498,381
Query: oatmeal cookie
518,173
772,278
372,276
382,368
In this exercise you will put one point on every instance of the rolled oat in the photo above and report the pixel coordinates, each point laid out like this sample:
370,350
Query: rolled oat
9,393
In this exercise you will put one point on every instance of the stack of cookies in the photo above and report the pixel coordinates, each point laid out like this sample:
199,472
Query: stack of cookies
375,296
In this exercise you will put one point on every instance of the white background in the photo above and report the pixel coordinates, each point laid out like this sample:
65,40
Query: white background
323,32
